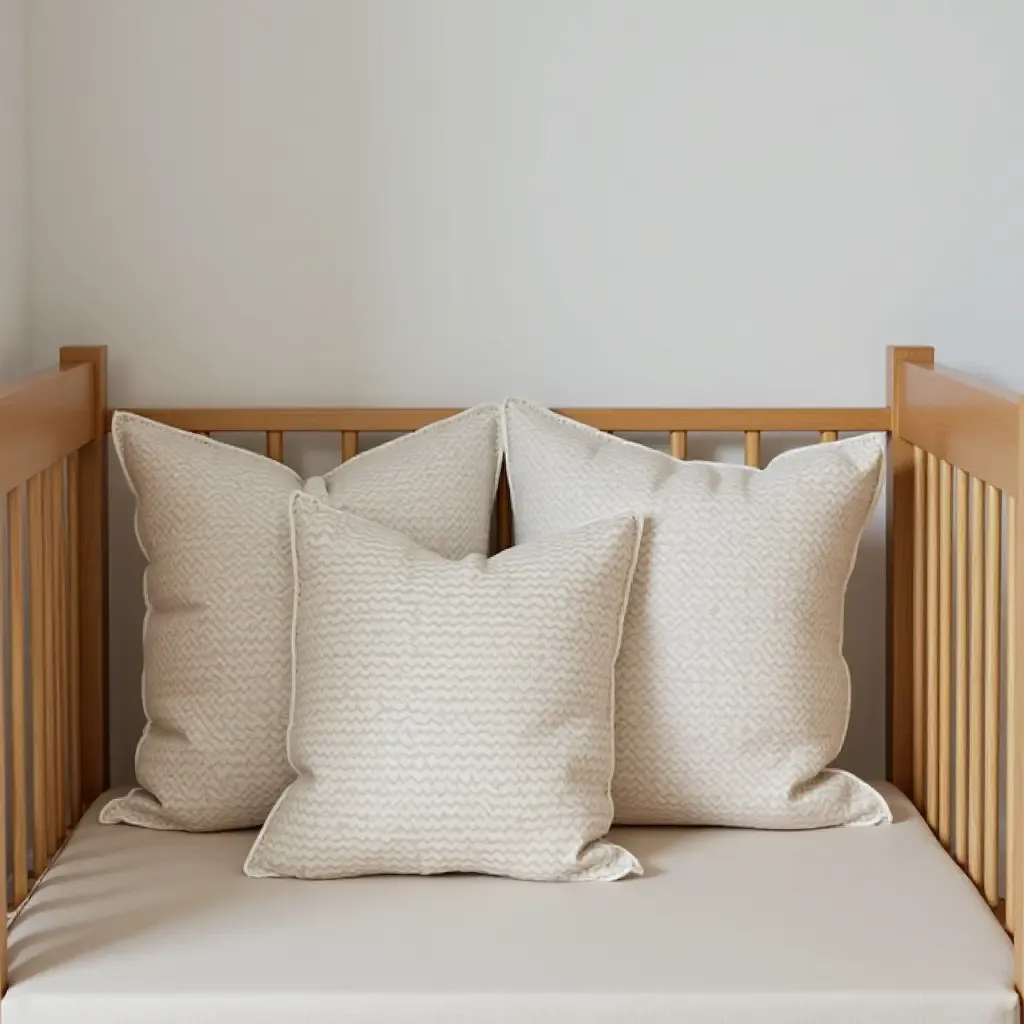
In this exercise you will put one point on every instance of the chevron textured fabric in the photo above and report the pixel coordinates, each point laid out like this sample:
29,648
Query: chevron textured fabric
451,716
733,695
212,521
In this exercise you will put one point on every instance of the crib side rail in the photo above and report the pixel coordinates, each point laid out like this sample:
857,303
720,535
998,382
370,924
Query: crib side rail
957,592
53,589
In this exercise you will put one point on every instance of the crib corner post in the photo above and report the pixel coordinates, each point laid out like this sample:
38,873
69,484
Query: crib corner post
92,580
899,743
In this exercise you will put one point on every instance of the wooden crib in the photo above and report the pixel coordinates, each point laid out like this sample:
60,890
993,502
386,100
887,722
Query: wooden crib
955,615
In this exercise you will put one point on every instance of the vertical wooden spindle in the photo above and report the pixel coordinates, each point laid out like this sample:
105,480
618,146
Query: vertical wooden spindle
349,444
61,652
50,658
36,543
752,448
677,443
932,646
1012,867
826,436
975,767
19,746
993,619
945,679
74,642
920,574
275,445
960,631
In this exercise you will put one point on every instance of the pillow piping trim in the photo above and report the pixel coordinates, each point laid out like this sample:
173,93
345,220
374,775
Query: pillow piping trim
249,867
111,813
631,865
884,812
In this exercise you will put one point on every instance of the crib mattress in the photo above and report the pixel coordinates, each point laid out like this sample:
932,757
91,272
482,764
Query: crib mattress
857,924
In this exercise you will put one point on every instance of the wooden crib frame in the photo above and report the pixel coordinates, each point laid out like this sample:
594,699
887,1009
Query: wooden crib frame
955,592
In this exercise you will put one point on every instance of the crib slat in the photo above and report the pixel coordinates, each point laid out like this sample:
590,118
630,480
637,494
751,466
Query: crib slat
36,528
828,435
349,444
61,654
16,641
975,650
945,682
74,639
932,646
56,519
920,488
752,448
275,445
50,661
677,443
1011,712
960,631
993,593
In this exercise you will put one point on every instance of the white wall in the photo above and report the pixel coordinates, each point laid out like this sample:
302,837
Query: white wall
587,201
13,280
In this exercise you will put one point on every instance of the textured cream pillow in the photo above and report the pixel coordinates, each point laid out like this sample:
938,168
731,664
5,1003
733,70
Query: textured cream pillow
733,694
212,521
450,716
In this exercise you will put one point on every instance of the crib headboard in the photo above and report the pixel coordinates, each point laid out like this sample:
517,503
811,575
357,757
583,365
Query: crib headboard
955,524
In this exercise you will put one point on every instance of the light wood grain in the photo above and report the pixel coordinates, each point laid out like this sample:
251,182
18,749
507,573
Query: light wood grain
960,605
1016,670
37,614
74,644
677,443
827,436
1012,682
275,445
92,579
625,420
976,762
19,718
50,660
752,448
993,621
920,603
349,444
42,418
61,654
963,420
945,678
932,646
904,591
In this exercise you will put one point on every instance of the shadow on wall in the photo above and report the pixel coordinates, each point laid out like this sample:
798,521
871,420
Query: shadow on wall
864,644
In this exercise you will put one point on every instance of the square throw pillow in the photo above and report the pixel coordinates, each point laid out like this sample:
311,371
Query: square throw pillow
450,716
733,695
212,521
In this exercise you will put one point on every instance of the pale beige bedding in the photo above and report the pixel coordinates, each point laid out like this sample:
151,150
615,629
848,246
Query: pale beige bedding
846,925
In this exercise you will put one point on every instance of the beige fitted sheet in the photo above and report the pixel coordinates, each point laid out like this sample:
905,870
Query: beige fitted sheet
856,924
